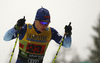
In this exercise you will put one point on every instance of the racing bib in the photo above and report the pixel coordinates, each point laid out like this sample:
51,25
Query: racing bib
34,45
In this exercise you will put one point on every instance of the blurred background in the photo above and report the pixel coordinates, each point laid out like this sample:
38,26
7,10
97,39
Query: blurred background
85,18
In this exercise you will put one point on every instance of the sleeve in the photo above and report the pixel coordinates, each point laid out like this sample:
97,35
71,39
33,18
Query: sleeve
58,38
10,34
67,42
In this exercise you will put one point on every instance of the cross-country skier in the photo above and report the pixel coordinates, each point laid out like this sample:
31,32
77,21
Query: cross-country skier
34,38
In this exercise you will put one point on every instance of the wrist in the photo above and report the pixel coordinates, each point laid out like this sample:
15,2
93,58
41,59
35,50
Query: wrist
16,27
68,34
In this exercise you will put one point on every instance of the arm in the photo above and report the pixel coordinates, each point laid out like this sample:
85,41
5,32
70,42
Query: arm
57,38
67,42
67,39
12,33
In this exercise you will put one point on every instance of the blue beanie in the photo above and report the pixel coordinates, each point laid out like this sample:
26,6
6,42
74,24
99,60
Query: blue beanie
42,14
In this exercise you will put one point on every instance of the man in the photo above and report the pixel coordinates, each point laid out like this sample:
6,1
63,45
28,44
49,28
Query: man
34,38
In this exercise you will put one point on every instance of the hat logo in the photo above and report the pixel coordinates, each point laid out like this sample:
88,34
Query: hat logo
47,17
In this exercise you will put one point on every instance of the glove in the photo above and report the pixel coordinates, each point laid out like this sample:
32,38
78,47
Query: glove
20,23
68,29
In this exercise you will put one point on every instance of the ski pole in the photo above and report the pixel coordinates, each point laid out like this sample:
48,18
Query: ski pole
23,20
58,49
60,46
14,48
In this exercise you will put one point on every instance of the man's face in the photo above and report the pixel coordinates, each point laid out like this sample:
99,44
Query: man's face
41,25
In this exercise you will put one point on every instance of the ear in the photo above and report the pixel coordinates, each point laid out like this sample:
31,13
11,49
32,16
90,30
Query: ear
36,21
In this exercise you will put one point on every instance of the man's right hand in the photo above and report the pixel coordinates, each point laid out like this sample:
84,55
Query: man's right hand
20,23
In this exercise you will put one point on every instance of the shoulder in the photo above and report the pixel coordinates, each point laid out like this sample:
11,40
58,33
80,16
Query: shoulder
55,35
24,27
53,30
27,25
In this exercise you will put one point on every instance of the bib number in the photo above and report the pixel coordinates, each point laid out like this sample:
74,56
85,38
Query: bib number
33,48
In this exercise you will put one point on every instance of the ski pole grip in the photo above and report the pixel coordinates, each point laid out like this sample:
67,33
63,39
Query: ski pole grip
24,17
69,24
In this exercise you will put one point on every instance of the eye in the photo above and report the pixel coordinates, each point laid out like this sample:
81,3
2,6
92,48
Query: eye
44,23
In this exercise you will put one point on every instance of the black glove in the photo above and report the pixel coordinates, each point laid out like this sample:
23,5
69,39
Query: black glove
20,23
68,29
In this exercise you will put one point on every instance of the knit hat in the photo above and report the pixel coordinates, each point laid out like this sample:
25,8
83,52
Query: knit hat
42,14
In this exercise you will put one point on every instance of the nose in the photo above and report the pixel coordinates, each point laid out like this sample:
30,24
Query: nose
45,25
